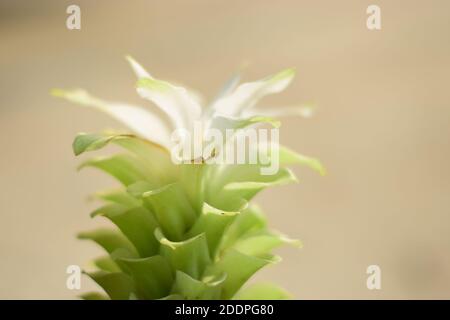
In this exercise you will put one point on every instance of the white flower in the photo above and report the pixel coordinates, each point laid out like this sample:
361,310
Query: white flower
235,107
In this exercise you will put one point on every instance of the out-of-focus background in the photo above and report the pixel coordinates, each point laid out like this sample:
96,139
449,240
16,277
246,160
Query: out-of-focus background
382,130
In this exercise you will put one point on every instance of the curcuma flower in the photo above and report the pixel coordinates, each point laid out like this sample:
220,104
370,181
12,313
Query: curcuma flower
185,230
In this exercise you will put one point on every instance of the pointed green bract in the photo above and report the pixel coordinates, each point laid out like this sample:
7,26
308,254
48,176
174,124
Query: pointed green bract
107,264
110,240
152,276
172,210
93,296
137,224
124,167
190,256
160,170
117,196
251,220
262,242
239,268
212,222
117,285
288,157
193,289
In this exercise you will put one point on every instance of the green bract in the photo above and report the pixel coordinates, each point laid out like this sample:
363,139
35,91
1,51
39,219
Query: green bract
183,231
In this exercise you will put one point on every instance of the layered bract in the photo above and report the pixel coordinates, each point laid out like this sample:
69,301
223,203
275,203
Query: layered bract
183,231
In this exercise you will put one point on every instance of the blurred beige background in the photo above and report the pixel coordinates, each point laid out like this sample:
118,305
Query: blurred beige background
382,130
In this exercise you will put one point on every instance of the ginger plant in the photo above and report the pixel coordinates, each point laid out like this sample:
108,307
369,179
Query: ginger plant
184,230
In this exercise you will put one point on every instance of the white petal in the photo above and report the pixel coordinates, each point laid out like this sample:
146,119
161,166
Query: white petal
226,90
224,123
231,127
247,95
229,86
195,95
182,106
174,101
144,123
140,72
139,120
